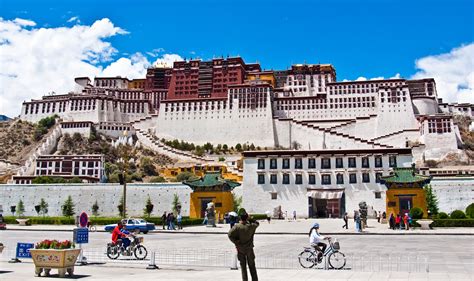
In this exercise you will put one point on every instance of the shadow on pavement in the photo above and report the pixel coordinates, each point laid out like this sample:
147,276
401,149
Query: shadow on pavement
5,272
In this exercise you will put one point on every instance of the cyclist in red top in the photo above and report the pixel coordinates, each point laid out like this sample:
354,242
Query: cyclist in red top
116,233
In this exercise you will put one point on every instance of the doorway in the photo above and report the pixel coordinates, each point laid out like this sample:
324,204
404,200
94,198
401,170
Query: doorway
405,203
204,202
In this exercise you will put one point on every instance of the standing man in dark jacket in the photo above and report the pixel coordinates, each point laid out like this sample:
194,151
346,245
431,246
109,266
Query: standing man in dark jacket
242,236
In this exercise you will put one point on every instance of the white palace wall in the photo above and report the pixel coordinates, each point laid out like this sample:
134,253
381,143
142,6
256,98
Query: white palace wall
108,197
218,126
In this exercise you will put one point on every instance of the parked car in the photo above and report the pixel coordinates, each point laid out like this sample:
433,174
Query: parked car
133,225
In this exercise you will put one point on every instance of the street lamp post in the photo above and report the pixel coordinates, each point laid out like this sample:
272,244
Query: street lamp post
124,160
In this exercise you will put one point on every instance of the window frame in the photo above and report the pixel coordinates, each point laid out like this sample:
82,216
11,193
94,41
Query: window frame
323,166
273,161
287,181
312,179
365,177
287,165
339,162
339,176
261,164
273,179
298,179
324,182
311,163
355,178
349,161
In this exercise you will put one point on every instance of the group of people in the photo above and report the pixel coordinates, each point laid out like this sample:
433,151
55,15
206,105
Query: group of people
400,221
168,221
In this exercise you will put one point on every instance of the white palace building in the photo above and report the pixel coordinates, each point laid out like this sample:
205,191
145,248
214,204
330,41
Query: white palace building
304,110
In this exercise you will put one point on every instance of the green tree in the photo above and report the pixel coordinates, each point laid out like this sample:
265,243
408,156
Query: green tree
238,147
236,201
77,138
184,176
95,209
120,208
75,180
43,206
225,148
176,205
470,211
68,207
20,208
157,179
148,167
93,135
148,207
431,200
208,146
252,147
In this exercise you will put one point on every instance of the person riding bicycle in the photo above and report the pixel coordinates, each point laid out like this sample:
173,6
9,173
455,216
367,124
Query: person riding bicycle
125,240
117,233
316,240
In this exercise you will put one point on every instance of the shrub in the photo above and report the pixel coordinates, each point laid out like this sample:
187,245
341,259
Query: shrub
176,204
453,223
458,214
258,216
148,167
221,159
442,215
416,213
157,179
184,176
470,211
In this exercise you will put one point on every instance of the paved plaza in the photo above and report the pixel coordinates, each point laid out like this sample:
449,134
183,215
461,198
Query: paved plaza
196,252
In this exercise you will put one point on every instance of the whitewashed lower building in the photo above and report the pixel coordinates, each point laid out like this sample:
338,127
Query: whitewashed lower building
318,183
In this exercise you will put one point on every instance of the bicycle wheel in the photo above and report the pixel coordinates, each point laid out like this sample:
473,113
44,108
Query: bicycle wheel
140,252
307,259
93,228
113,252
337,260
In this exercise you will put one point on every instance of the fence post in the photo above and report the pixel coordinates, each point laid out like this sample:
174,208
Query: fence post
233,265
427,265
152,264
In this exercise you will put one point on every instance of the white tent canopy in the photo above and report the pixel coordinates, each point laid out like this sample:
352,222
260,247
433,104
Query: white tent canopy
325,194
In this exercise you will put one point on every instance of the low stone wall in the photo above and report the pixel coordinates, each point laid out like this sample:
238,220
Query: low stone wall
453,193
108,197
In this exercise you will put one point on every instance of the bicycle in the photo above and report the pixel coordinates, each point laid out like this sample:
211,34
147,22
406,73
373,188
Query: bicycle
135,248
310,257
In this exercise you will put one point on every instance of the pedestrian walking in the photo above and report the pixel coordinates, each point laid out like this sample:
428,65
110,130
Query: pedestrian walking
179,219
405,221
205,218
391,222
163,220
379,216
345,218
398,221
171,221
294,215
242,236
357,221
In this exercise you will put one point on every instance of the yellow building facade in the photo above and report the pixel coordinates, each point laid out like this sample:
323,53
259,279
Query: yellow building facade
211,188
405,191
200,170
266,76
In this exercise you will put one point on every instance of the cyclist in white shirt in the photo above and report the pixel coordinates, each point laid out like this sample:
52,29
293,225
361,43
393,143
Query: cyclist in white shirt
316,239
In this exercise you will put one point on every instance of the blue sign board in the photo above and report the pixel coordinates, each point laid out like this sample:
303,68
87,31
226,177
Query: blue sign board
22,250
81,235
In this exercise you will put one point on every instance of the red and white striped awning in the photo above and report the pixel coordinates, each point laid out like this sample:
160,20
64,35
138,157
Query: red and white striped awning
325,194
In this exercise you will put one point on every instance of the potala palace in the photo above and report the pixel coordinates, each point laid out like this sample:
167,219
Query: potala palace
298,114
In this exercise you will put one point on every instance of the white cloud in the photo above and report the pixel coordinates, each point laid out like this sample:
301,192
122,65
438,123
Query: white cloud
453,73
35,61
74,19
134,67
23,22
168,60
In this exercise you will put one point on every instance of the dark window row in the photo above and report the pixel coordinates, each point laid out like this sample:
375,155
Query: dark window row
325,179
326,163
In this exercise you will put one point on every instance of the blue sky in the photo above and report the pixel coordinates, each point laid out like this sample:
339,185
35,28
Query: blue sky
45,44
360,38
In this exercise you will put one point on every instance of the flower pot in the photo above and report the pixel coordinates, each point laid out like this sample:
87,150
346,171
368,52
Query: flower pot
23,222
47,259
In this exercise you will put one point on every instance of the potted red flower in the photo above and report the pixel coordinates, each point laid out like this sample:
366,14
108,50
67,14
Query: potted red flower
49,254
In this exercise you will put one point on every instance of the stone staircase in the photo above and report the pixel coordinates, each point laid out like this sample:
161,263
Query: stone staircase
155,144
333,132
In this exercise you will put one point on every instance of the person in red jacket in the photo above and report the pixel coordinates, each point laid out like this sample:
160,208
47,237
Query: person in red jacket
117,233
